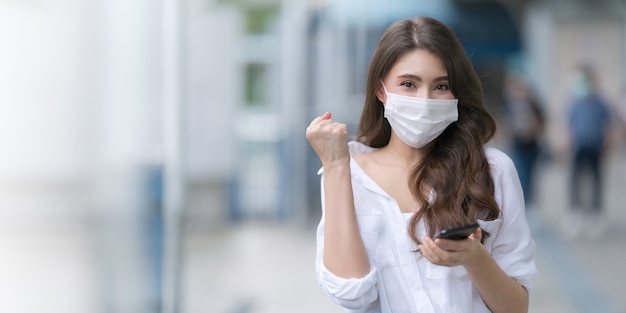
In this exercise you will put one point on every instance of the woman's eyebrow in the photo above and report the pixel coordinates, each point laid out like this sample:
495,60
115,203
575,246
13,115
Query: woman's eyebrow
411,76
417,78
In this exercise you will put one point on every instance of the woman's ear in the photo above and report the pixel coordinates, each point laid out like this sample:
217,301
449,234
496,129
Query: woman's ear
381,95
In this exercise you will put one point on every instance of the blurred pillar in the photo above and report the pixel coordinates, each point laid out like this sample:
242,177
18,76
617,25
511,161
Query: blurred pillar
172,147
293,100
126,74
211,90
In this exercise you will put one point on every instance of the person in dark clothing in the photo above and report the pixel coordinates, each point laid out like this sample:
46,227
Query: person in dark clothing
526,123
588,121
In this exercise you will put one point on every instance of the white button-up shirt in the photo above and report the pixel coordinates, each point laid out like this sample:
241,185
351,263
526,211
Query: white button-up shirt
401,280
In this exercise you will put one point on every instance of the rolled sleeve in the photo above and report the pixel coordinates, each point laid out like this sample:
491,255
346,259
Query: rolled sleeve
350,293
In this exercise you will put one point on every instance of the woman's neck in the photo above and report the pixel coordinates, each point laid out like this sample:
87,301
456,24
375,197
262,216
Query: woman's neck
400,154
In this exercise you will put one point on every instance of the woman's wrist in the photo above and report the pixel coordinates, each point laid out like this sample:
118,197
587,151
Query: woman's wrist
338,163
477,260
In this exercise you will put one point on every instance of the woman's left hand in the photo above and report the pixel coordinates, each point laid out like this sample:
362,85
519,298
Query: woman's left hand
446,252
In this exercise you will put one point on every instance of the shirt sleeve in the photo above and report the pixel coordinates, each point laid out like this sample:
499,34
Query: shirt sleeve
352,293
513,247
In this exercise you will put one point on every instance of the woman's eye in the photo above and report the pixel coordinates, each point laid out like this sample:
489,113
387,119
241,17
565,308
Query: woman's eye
408,84
442,87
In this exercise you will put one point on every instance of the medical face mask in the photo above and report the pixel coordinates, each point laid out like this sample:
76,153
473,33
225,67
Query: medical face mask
418,121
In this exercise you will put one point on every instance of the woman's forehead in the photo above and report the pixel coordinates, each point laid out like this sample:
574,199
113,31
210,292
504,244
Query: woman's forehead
421,63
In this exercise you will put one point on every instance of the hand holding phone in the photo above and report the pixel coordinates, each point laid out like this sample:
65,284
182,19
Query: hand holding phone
458,233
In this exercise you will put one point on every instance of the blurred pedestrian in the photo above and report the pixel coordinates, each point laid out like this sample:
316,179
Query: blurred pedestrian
525,121
419,165
588,123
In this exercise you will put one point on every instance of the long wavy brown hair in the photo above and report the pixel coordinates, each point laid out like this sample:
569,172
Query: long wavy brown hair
454,167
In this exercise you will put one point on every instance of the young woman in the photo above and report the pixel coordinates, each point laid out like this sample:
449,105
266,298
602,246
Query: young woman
419,165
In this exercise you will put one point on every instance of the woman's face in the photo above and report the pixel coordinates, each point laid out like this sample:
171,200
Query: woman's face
419,74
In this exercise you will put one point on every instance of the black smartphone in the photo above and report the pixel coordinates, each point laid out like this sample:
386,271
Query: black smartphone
458,233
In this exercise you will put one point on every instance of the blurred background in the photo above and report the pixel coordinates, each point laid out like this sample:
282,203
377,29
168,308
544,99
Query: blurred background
153,153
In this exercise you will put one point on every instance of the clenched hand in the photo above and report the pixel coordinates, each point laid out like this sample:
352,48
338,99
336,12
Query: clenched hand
329,139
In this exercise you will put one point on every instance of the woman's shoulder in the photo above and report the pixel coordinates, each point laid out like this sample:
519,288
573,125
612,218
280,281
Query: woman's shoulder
493,153
499,161
361,155
359,148
359,152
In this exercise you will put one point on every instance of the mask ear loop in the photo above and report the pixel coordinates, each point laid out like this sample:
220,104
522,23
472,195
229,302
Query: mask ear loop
386,92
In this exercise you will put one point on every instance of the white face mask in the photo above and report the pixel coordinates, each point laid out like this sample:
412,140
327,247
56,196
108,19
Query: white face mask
418,121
